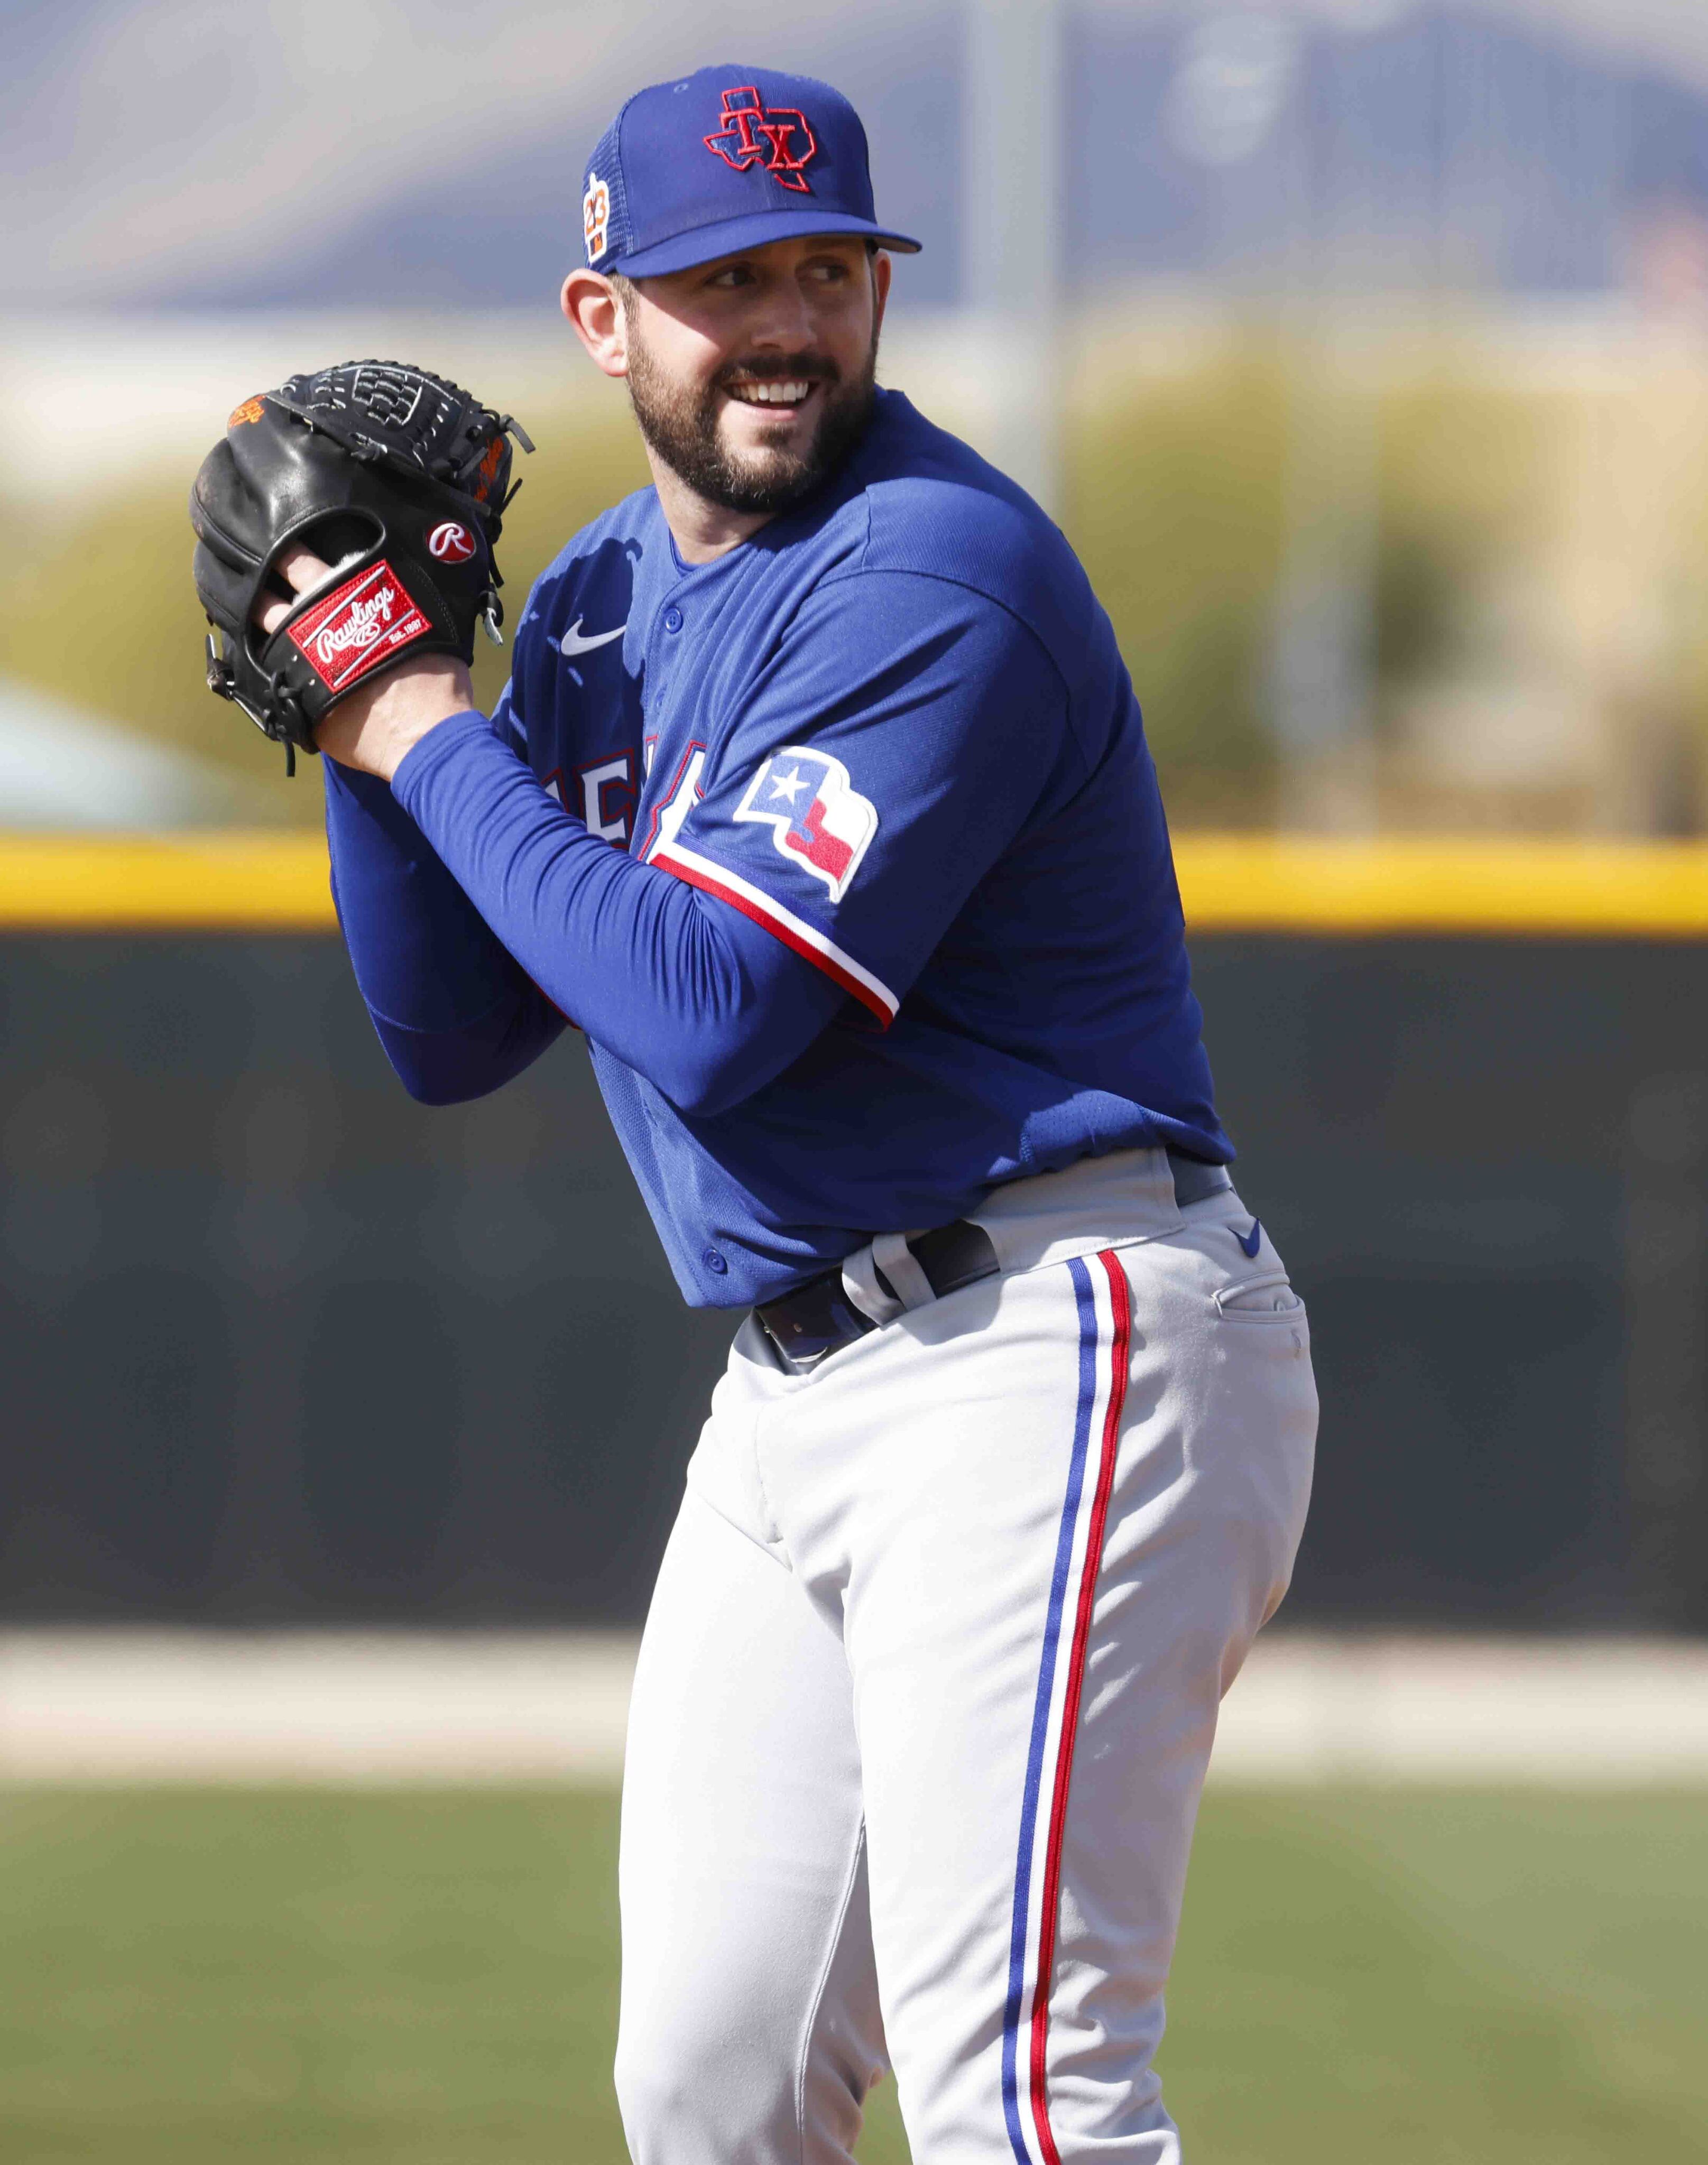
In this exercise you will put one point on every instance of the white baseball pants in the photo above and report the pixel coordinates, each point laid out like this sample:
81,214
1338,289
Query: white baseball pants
929,1685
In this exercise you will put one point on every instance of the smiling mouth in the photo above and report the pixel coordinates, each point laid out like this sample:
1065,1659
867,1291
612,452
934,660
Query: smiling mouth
770,391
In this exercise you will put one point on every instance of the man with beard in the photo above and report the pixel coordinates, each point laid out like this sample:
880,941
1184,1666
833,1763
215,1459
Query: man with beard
819,798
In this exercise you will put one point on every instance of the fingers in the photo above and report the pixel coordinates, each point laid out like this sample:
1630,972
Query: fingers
303,570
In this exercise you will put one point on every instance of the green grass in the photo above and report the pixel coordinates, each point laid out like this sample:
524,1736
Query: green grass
277,1976
373,1978
1444,1980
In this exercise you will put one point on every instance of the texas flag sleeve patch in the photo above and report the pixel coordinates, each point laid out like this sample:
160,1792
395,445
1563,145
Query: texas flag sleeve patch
821,823
818,818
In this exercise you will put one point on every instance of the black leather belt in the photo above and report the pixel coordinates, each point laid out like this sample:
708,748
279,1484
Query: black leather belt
819,1318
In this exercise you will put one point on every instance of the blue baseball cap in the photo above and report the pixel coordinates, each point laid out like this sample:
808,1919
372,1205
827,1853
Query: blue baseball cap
730,158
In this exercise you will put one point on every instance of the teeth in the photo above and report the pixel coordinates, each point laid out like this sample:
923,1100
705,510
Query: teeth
771,394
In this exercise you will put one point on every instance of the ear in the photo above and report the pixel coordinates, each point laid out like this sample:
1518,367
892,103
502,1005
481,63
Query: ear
881,267
589,302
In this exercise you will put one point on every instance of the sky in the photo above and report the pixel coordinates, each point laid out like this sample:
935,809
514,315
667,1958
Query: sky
184,149
192,155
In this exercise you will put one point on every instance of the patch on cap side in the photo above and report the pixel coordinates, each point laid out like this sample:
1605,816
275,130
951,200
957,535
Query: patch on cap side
596,217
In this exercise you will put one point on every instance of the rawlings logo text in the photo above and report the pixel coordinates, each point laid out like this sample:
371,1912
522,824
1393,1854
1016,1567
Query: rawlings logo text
361,624
753,133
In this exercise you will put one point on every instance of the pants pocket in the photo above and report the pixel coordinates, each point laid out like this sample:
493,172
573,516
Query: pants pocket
1267,1297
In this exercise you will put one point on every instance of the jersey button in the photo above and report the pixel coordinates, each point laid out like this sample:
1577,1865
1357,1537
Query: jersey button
672,618
714,1261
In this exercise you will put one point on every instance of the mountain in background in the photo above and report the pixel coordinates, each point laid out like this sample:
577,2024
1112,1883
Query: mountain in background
418,153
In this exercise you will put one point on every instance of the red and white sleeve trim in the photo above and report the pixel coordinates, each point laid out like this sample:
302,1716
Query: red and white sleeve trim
783,923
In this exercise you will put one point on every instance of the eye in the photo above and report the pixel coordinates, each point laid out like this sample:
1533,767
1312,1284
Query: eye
729,277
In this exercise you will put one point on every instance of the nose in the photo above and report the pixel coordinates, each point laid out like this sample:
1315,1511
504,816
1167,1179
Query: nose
783,320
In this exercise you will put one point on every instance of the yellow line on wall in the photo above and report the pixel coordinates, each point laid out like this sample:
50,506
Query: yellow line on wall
221,882
240,882
1400,884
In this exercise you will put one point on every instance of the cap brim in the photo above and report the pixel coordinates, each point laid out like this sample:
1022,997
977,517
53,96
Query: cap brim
705,244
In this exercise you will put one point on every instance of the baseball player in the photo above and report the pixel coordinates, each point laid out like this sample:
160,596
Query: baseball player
818,801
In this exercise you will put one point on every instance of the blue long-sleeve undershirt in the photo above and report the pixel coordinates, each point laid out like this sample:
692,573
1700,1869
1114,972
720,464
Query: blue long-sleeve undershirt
479,915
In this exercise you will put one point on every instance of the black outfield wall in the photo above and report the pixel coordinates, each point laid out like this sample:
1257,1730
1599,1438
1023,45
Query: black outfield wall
277,1345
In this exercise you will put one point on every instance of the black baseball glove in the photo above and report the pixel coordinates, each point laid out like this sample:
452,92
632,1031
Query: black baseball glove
399,480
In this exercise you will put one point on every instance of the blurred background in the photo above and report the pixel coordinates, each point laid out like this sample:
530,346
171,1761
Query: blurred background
1361,348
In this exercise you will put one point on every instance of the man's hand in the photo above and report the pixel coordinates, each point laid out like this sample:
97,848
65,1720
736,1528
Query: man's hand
400,478
371,728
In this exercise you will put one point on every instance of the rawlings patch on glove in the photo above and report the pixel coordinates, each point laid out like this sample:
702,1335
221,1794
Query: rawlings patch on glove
399,480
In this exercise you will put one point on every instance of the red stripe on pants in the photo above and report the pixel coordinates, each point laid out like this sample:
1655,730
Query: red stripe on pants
1121,1303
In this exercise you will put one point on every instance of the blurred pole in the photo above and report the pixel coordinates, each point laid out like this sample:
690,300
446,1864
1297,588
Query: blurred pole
1011,219
1322,686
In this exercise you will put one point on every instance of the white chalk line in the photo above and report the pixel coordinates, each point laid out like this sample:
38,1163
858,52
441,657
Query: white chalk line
103,1705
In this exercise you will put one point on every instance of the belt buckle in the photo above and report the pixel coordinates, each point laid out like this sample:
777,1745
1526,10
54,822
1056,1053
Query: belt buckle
950,1256
803,1363
843,1322
798,1364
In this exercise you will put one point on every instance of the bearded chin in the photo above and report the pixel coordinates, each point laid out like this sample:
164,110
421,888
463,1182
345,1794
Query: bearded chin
681,429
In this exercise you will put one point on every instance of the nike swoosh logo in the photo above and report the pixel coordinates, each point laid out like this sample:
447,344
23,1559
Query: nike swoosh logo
573,642
1249,1241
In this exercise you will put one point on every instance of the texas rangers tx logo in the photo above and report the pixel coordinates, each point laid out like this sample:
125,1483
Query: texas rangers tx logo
816,816
777,136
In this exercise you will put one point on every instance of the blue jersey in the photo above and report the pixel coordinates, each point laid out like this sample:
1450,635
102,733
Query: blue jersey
888,757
